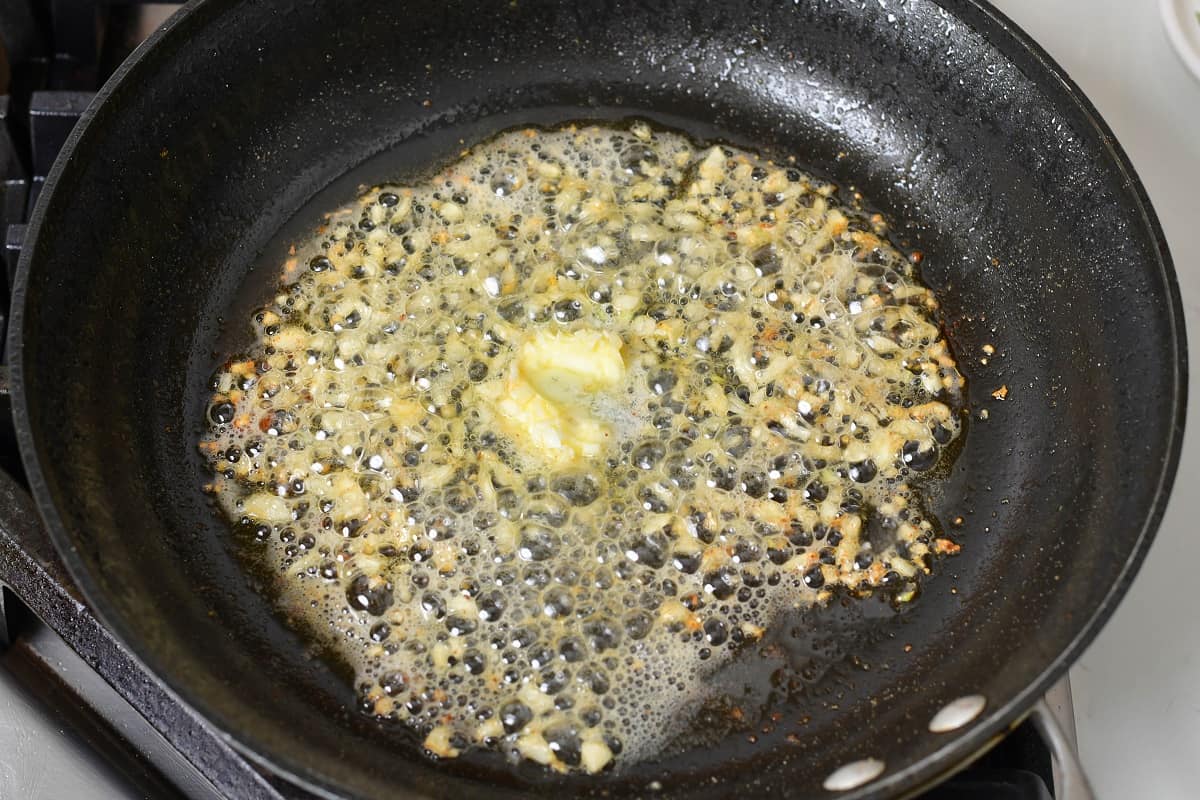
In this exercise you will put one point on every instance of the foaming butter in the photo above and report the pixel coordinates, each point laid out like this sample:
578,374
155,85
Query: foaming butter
540,442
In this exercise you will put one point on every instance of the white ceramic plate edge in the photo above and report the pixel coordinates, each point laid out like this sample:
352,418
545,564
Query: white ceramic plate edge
1181,18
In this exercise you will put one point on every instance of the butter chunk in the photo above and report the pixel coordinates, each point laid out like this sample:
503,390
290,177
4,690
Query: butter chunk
565,366
542,403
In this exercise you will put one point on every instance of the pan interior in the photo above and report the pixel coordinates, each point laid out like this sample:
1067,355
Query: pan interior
206,158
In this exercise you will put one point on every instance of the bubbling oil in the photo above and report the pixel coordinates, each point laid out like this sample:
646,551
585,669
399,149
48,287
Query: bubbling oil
783,383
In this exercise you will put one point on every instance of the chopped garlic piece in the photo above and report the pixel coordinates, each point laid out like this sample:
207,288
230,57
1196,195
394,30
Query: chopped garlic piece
534,747
595,756
438,742
267,508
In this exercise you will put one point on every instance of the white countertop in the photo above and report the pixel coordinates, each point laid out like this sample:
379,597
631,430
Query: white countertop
1137,689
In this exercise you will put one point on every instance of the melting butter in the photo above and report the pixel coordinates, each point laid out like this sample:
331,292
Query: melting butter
543,402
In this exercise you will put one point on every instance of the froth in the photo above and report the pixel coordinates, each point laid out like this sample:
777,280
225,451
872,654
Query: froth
783,382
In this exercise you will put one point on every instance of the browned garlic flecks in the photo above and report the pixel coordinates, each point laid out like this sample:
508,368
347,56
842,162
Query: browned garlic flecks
540,441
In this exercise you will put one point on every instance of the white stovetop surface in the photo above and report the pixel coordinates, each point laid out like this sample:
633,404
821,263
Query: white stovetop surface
1137,688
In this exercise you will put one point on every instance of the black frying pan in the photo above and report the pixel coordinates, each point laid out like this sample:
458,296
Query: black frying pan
1039,240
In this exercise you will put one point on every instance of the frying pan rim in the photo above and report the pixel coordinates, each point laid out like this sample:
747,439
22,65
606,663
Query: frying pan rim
1000,32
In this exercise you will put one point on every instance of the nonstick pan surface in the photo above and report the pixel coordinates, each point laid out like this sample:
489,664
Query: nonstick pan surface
195,161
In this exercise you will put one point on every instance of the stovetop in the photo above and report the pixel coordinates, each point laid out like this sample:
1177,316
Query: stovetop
121,729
